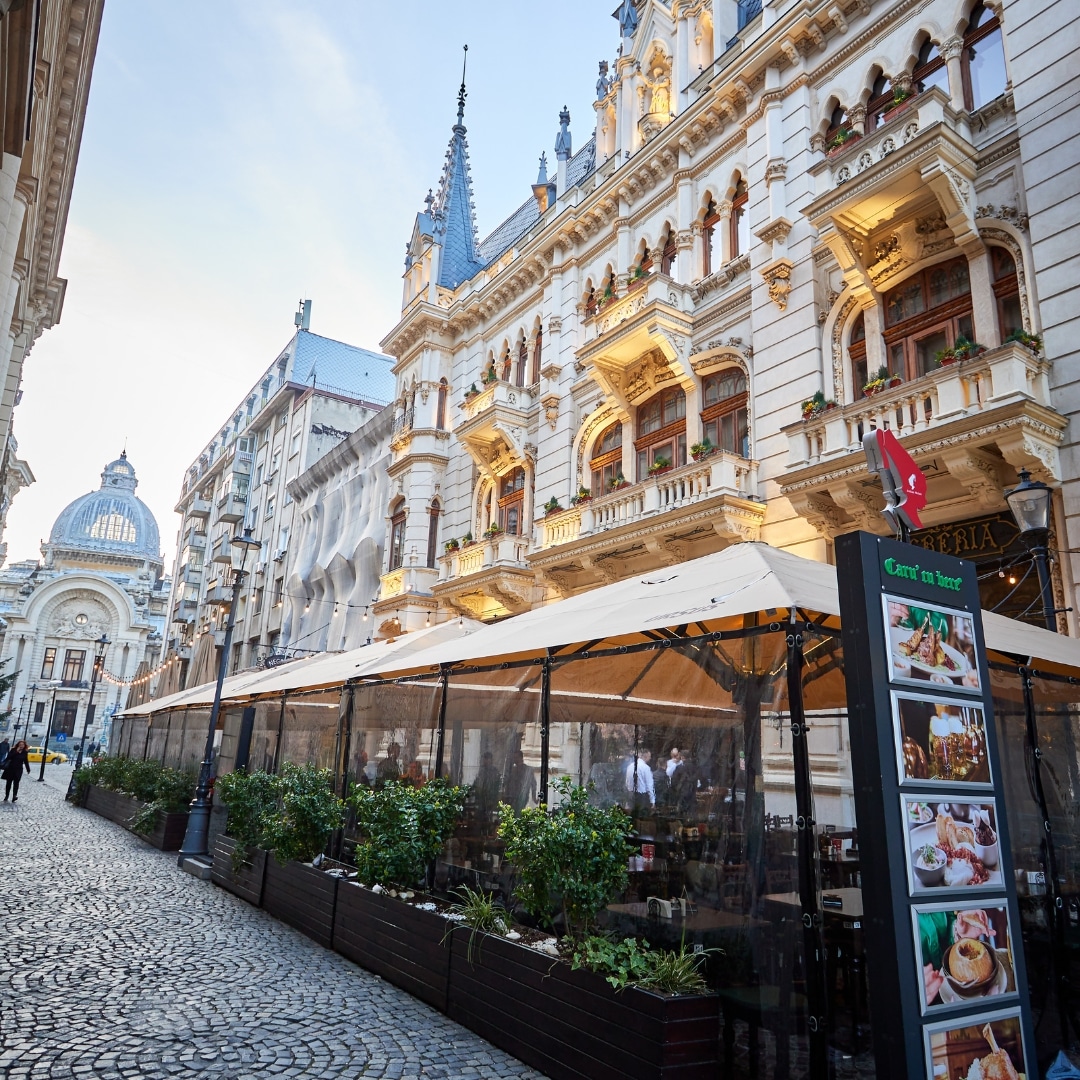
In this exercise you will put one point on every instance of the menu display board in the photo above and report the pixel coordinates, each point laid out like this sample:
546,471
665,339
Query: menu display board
938,885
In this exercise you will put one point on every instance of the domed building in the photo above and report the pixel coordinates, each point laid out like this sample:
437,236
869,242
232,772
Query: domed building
102,573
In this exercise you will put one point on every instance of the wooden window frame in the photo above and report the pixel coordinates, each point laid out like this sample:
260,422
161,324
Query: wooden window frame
668,255
396,549
1006,287
74,661
49,661
860,373
738,208
537,357
433,533
921,71
510,499
522,365
973,37
708,232
739,402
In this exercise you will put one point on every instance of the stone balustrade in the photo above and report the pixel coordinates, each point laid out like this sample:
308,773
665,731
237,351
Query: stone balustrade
500,550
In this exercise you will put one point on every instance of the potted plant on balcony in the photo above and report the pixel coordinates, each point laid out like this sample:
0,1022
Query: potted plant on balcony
467,540
843,136
492,531
617,482
1022,337
490,375
882,380
552,506
701,449
813,406
962,349
583,496
451,545
606,297
901,101
660,465
472,392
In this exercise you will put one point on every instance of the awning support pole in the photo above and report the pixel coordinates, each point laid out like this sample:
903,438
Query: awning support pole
440,736
545,726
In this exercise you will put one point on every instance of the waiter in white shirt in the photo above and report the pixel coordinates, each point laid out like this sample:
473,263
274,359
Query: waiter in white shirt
639,781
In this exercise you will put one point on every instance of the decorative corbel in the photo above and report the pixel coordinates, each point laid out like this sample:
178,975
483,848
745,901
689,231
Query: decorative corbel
550,402
778,276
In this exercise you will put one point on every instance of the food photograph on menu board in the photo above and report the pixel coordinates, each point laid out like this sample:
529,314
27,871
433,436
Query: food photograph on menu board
931,645
941,740
964,953
989,1047
951,846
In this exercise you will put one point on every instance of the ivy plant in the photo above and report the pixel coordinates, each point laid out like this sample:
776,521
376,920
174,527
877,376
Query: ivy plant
622,963
570,861
402,828
307,813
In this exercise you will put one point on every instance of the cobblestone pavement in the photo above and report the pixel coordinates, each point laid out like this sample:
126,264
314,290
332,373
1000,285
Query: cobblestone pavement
115,965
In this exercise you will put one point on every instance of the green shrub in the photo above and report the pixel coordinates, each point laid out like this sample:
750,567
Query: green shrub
307,812
402,828
572,859
250,799
622,963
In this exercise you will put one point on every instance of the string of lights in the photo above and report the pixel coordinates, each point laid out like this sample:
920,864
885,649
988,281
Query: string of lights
139,680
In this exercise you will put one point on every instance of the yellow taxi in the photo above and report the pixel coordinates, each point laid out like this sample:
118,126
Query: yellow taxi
54,756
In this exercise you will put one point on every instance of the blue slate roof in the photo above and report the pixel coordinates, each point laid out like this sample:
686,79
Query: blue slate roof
340,368
455,219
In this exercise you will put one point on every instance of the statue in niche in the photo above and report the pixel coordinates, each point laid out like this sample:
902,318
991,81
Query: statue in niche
660,103
603,84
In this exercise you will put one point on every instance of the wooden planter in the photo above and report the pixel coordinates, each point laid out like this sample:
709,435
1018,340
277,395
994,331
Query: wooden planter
168,832
572,1025
301,896
247,882
394,940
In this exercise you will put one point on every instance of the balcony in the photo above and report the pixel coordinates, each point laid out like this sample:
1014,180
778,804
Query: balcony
669,518
970,425
498,414
184,611
489,578
191,575
220,552
199,507
218,594
232,507
194,539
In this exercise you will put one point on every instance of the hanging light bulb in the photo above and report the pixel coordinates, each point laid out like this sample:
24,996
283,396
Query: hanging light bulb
365,614
427,621
1001,573
1012,579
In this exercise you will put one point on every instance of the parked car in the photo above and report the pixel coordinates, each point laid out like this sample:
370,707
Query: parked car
53,757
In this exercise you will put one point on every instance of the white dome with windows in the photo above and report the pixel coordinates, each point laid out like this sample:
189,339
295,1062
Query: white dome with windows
111,520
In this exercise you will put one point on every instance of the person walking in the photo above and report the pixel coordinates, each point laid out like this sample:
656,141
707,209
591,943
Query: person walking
18,759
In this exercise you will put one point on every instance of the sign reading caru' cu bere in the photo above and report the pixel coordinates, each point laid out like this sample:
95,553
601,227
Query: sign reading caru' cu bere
948,990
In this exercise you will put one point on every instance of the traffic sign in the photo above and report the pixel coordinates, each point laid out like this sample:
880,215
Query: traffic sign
60,736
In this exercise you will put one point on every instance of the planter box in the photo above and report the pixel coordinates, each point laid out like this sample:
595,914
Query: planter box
301,896
247,882
168,833
394,940
572,1025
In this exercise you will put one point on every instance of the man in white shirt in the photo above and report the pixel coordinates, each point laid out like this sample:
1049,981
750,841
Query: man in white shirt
674,761
639,782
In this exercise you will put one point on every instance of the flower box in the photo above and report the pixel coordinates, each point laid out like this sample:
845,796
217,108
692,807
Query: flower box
245,882
168,832
301,896
840,147
898,108
571,1025
394,940
659,472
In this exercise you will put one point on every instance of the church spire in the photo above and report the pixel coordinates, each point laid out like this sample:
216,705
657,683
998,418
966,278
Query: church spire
454,213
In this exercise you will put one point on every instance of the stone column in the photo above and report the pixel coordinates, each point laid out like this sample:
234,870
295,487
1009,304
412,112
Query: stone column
951,50
983,305
723,227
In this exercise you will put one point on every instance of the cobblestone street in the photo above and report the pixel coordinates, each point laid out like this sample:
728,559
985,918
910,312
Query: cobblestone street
115,964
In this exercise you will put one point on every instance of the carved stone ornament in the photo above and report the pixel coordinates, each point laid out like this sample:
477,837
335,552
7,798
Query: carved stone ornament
80,618
550,403
778,277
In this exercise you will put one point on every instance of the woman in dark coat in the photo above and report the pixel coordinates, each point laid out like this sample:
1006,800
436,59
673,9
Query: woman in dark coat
17,760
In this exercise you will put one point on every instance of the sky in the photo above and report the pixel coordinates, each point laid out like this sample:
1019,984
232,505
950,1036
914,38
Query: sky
239,155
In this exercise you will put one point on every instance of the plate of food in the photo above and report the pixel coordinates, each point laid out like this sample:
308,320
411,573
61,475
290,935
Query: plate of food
997,1065
943,855
972,969
919,813
925,650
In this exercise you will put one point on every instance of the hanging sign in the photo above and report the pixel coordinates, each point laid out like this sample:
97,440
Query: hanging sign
948,988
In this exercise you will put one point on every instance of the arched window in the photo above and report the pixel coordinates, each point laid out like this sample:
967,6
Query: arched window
837,123
724,416
930,69
712,217
440,407
433,532
661,431
925,315
606,463
668,253
881,100
639,275
397,538
857,353
512,502
507,364
537,357
982,63
740,221
590,300
522,362
1006,291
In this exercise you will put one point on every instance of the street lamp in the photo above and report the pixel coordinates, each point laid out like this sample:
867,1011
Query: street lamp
48,734
18,719
101,646
198,827
1029,503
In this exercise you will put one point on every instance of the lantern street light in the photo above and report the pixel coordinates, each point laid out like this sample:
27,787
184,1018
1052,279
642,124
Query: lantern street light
101,646
198,826
1029,503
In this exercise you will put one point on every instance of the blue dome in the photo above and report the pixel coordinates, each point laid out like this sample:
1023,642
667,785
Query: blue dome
110,520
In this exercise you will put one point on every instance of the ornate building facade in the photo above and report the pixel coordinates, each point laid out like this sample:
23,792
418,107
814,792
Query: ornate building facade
314,395
101,573
46,59
791,223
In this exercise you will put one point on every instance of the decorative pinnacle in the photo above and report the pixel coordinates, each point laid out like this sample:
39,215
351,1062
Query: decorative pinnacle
461,93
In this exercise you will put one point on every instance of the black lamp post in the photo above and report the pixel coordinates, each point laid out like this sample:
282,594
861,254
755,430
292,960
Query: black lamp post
198,827
48,736
18,719
101,646
1029,503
